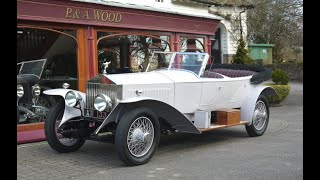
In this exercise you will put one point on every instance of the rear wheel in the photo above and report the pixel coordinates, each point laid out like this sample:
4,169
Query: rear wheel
260,117
55,139
137,136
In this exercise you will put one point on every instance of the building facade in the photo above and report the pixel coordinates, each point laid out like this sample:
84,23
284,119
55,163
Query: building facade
76,37
233,14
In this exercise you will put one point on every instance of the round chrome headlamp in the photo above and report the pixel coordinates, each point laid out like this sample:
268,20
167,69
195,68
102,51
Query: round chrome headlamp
20,91
102,102
36,90
72,98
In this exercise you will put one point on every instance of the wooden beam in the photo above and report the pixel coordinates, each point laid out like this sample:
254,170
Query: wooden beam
83,68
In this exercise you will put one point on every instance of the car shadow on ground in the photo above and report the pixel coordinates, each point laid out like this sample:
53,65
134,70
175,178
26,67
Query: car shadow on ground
168,144
98,156
199,139
105,153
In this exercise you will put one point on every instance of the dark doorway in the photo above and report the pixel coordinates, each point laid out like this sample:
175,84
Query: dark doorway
216,48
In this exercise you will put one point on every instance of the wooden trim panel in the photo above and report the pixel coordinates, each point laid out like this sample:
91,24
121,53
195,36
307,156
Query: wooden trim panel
213,127
30,127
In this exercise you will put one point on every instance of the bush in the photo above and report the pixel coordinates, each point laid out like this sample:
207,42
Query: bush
282,93
242,54
279,76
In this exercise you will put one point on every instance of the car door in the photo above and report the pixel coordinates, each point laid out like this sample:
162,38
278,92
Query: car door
222,93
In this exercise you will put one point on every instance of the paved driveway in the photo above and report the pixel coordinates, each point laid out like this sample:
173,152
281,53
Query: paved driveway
221,154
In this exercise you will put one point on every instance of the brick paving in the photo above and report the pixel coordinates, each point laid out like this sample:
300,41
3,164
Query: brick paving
39,161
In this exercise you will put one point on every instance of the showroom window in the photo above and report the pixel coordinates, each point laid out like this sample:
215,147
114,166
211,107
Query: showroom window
57,46
129,52
190,44
46,59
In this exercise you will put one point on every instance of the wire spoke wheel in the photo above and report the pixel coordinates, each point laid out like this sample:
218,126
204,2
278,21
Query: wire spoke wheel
260,115
54,134
43,102
63,140
137,135
140,136
260,118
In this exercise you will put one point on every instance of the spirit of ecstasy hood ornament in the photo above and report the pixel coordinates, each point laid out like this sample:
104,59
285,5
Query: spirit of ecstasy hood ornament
106,64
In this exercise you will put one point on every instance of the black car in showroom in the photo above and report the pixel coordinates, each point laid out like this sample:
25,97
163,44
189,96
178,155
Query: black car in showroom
35,76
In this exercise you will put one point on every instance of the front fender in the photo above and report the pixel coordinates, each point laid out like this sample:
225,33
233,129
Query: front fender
175,118
114,115
248,105
69,112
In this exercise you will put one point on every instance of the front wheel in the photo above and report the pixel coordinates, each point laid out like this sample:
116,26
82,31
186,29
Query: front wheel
260,117
43,104
55,139
137,136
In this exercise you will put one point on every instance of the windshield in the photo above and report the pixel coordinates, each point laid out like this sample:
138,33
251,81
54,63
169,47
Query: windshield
188,61
34,67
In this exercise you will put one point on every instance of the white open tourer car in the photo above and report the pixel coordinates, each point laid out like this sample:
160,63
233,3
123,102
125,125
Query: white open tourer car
178,92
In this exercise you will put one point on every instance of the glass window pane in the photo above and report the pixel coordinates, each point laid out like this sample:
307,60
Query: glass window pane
129,52
47,58
188,61
191,44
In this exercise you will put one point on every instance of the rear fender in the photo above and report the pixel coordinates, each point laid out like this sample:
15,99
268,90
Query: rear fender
69,112
248,105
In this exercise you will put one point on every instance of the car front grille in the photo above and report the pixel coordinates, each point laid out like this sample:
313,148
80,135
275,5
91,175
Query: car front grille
94,89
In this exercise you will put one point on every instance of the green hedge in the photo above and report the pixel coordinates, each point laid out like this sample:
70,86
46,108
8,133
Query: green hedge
279,76
282,93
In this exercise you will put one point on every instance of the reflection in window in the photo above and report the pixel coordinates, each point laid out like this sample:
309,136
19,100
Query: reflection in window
159,61
190,62
34,67
58,48
191,44
128,52
46,58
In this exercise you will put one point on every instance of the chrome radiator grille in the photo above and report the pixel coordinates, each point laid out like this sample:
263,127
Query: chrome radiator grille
94,89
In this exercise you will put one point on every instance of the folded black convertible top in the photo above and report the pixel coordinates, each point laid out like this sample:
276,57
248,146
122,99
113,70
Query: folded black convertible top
262,73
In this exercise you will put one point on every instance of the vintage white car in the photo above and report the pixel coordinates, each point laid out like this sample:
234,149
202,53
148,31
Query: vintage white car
131,110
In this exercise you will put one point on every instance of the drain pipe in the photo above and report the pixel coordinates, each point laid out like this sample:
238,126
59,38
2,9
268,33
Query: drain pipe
240,20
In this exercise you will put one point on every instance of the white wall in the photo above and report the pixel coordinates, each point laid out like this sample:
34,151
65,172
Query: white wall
230,32
168,6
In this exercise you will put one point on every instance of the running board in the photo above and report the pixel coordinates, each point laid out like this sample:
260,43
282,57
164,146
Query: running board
213,126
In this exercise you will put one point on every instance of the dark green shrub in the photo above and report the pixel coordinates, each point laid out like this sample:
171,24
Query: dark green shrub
279,76
242,54
282,93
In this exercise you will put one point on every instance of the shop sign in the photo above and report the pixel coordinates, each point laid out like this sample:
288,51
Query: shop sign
92,14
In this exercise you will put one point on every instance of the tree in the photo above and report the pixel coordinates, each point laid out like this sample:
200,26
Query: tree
242,55
278,22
